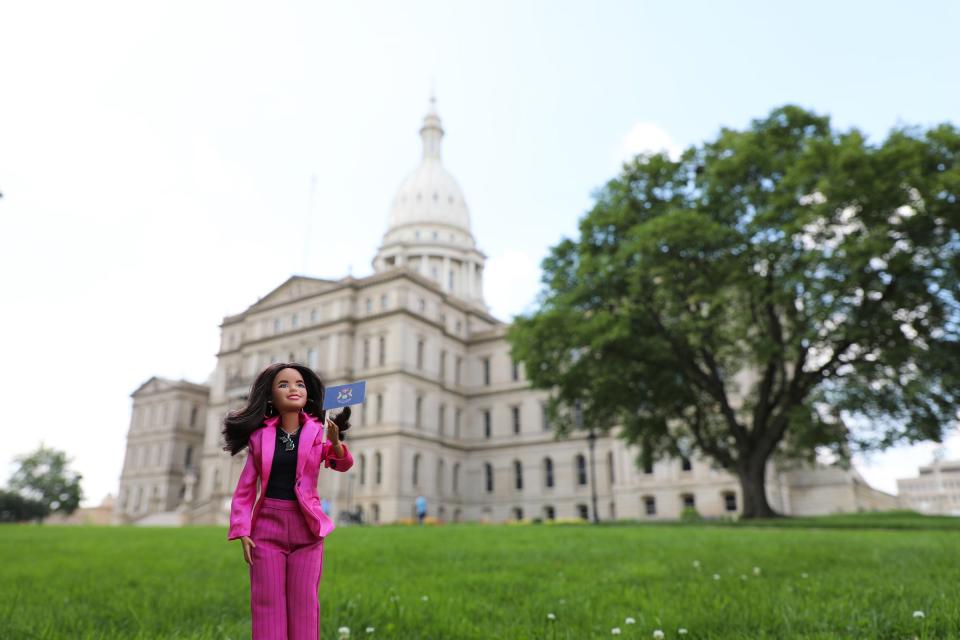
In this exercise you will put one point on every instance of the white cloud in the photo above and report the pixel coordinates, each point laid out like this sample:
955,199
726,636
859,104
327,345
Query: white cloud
647,137
511,281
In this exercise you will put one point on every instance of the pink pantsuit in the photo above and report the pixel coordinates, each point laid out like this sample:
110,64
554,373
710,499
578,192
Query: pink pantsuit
288,559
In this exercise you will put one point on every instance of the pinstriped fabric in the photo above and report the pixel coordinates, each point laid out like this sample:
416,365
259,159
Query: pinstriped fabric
285,574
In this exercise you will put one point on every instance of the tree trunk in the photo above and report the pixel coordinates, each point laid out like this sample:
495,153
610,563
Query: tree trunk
753,486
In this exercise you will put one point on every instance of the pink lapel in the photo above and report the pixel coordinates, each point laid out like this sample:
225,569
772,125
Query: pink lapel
268,441
306,441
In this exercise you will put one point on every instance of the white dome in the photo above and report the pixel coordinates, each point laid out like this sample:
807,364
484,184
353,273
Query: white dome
430,195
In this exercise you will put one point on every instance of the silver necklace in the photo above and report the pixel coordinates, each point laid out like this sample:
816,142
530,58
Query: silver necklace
287,439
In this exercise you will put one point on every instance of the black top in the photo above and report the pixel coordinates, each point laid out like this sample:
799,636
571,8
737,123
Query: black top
283,473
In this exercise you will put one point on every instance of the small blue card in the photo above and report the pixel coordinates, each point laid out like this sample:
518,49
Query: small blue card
344,395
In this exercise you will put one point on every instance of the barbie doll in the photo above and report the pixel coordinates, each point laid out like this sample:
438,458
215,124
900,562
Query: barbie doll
283,530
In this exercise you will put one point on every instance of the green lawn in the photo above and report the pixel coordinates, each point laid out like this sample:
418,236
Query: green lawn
838,577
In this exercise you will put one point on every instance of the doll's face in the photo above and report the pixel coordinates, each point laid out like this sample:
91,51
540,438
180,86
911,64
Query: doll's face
289,392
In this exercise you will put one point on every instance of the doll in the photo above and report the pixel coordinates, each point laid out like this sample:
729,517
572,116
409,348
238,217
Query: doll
282,531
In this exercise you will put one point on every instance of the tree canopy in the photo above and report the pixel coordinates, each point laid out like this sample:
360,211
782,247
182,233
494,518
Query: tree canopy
785,289
43,476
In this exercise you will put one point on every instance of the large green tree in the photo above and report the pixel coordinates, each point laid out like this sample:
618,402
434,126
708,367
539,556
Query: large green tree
782,290
43,476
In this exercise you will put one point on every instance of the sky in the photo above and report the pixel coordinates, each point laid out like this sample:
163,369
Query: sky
164,165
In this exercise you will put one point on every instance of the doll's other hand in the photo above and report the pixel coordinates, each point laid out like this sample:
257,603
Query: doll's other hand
248,546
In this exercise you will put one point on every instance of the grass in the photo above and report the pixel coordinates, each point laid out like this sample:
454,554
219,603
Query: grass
859,576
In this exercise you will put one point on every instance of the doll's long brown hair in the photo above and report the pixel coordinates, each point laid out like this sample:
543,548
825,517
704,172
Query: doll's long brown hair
239,424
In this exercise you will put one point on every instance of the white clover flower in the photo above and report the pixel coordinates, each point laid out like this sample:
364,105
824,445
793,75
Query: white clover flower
716,576
918,614
657,634
630,621
550,616
369,629
804,575
743,576
562,600
756,571
344,632
696,564
681,631
615,631
424,598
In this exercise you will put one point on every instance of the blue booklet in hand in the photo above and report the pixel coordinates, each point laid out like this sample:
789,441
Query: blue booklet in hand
344,395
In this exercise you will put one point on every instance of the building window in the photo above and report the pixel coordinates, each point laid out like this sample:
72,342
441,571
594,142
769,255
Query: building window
548,472
581,464
366,352
422,305
610,465
193,416
650,505
294,321
487,427
648,467
544,416
443,366
456,371
416,469
369,305
730,501
685,464
514,370
456,423
441,418
450,281
314,316
583,512
515,417
549,512
383,301
488,476
486,371
375,512
188,458
688,501
277,325
517,513
418,418
458,326
378,467
440,477
518,475
363,469
312,358
456,478
383,350
379,408
420,345
363,415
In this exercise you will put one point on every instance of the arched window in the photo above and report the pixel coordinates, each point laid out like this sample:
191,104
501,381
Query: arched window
488,476
581,464
416,469
548,472
518,476
378,467
363,469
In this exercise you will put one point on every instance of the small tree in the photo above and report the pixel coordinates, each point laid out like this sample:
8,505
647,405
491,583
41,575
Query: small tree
787,288
43,476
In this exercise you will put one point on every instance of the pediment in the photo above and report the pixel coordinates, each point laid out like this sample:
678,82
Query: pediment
295,287
152,386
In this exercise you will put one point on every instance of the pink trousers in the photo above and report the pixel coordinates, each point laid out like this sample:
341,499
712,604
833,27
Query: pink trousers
284,574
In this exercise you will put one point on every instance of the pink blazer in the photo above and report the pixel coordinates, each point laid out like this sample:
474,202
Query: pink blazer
243,513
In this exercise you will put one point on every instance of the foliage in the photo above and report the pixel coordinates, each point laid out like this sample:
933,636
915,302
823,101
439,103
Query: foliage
788,288
43,476
15,508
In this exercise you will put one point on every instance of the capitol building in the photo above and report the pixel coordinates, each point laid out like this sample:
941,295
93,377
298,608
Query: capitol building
448,414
